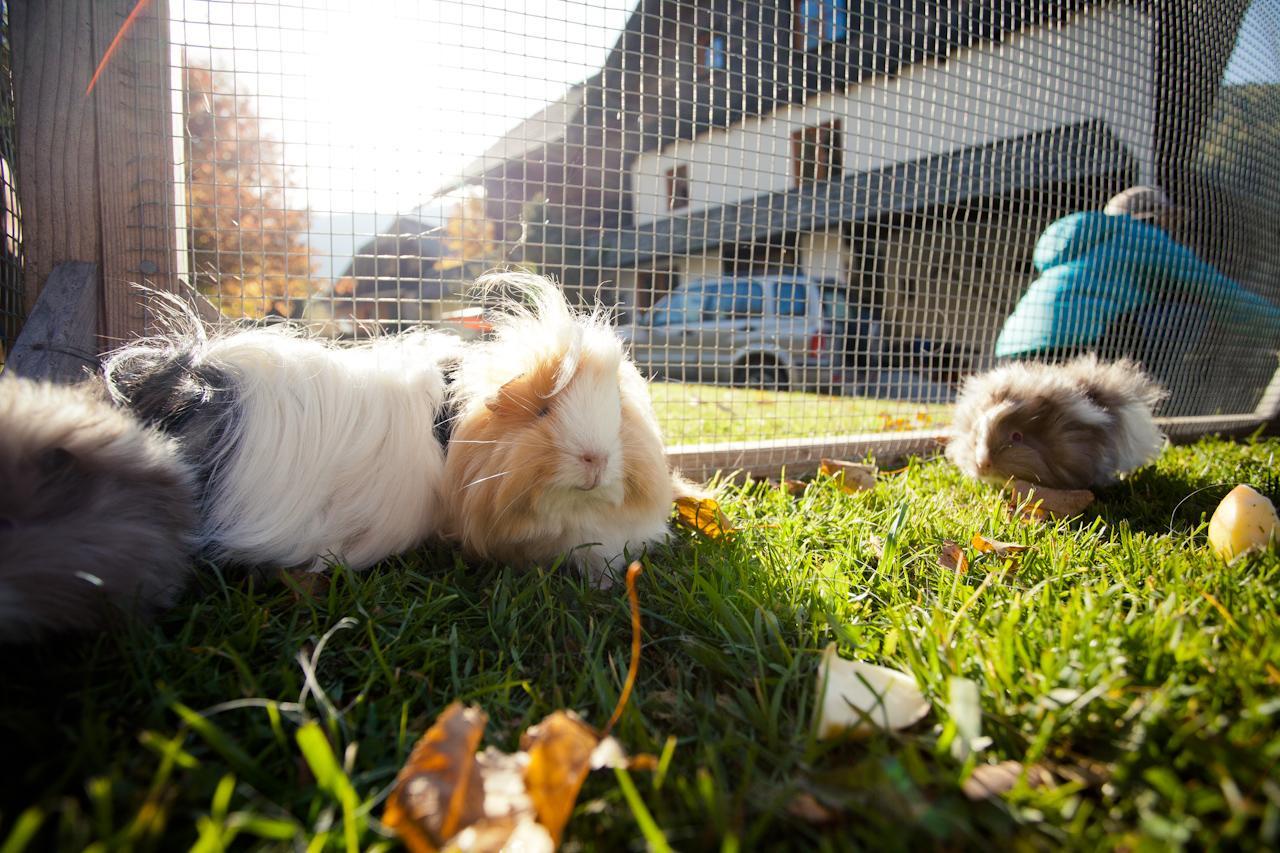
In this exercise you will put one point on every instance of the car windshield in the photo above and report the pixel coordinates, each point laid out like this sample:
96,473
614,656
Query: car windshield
792,298
681,307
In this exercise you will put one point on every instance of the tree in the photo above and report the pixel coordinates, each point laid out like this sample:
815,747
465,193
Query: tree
248,248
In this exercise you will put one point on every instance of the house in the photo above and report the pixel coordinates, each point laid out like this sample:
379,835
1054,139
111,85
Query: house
906,151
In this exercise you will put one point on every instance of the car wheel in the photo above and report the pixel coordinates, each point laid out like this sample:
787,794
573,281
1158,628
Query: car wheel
761,374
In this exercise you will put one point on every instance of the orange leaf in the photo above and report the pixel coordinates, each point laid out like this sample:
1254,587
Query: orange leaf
852,476
633,572
994,546
560,750
952,558
704,516
439,790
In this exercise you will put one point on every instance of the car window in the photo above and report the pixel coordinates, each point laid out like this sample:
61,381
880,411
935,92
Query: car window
680,308
792,298
834,306
736,300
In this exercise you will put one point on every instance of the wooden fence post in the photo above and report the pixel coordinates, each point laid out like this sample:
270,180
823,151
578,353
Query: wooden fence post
95,171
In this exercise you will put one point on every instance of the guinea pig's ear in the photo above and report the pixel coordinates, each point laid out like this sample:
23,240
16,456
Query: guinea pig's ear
526,397
56,462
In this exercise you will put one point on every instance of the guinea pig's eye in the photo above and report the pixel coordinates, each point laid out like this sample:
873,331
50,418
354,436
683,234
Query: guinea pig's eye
1015,437
544,411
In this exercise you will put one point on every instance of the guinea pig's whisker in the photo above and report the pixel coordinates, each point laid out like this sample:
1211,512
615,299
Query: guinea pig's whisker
482,479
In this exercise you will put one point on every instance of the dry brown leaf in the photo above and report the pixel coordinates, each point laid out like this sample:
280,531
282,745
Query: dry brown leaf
806,807
560,750
992,780
448,795
439,790
305,581
859,698
994,546
952,558
793,487
1049,503
852,476
704,516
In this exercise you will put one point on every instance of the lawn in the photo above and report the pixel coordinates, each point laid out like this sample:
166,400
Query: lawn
696,414
1120,655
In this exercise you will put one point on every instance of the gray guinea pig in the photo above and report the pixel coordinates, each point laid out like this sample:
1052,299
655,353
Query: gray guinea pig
96,511
1067,426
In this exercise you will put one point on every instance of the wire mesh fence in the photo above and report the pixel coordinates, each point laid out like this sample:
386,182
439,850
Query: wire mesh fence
811,217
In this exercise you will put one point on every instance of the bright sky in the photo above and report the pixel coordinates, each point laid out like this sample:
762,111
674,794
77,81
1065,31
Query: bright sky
1255,59
379,102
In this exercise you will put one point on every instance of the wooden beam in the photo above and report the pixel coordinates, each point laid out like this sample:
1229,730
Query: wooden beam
135,127
59,341
57,166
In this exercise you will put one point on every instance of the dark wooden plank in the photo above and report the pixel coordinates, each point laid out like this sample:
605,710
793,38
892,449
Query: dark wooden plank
59,341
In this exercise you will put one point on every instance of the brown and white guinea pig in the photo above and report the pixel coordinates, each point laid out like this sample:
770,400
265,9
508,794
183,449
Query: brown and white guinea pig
307,451
555,450
1068,426
97,511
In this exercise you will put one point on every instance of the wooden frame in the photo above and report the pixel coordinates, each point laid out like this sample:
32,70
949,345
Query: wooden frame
678,187
820,146
95,171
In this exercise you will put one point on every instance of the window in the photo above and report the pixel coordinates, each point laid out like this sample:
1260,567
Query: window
818,153
677,188
818,21
737,300
792,299
715,54
682,307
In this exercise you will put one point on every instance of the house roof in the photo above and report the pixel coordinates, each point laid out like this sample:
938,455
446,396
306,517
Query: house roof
1065,154
546,126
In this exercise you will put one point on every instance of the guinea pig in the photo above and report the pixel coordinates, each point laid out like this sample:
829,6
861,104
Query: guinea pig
1068,426
97,511
556,451
308,451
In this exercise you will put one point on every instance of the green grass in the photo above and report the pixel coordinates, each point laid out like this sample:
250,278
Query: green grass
276,721
696,414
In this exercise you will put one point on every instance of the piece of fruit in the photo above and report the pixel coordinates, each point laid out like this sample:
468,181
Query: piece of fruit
1245,521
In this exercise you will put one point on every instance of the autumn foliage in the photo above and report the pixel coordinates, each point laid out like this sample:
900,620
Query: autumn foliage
248,249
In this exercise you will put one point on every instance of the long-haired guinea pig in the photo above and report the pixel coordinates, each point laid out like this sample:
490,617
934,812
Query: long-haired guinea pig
1075,425
556,451
97,511
307,451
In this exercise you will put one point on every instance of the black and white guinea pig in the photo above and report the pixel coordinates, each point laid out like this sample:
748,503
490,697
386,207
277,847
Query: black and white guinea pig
556,451
1069,426
97,511
308,451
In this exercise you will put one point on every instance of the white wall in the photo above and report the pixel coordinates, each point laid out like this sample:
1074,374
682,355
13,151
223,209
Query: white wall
823,256
1098,65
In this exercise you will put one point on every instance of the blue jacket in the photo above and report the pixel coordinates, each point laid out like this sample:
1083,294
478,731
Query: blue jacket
1095,268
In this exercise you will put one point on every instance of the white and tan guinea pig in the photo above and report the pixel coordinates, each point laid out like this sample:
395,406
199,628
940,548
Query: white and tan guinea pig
1077,425
556,451
308,451
97,511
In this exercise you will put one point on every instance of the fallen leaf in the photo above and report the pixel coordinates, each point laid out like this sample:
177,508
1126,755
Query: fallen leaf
439,790
793,487
966,713
876,544
991,780
852,476
952,558
806,807
447,794
704,516
560,750
1040,502
994,546
1245,521
859,698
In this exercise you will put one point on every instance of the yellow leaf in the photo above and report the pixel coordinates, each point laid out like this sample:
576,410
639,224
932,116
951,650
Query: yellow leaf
704,516
1039,503
994,546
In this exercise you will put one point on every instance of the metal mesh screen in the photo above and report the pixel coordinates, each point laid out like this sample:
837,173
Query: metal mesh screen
11,293
814,217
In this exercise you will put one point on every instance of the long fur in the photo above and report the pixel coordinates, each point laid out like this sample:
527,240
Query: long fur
96,511
309,452
1076,425
556,450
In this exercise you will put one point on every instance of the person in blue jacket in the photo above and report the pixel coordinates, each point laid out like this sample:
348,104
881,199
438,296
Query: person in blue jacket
1117,283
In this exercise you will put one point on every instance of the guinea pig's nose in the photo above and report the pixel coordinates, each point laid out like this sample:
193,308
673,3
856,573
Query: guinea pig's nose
592,459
